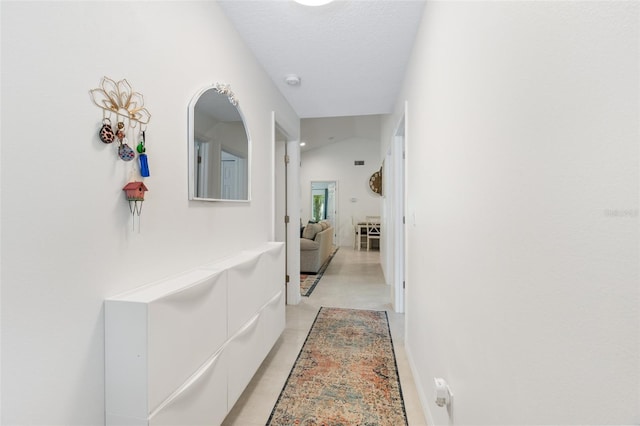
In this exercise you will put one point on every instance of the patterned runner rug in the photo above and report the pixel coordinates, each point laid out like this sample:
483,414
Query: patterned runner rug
308,282
345,374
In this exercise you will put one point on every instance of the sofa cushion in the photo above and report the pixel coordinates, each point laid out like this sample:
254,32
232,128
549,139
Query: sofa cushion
308,245
325,225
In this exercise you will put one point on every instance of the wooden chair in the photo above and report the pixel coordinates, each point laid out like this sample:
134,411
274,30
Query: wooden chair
373,230
360,233
356,231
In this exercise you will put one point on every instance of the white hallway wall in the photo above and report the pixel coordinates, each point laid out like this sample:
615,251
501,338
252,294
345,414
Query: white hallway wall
336,162
523,191
67,241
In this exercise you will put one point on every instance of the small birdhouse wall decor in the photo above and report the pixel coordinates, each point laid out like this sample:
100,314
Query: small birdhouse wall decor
135,191
135,195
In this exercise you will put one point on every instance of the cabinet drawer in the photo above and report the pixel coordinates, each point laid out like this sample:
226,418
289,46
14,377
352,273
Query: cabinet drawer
203,401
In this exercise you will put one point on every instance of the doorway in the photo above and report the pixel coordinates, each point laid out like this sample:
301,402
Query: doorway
233,176
324,196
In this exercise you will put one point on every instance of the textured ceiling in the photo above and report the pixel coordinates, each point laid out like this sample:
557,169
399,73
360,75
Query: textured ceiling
350,55
320,132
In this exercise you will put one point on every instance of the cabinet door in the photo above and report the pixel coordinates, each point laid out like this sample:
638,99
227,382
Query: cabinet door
253,281
271,268
250,346
245,299
272,322
185,329
203,401
244,358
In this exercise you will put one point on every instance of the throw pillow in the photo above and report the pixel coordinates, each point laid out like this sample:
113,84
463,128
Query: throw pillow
310,231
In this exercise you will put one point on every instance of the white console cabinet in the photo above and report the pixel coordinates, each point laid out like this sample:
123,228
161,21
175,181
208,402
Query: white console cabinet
181,351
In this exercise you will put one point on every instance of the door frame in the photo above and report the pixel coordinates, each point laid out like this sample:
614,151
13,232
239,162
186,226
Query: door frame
292,205
399,213
336,218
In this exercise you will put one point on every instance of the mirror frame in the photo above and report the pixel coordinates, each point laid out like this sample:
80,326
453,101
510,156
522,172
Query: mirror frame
223,89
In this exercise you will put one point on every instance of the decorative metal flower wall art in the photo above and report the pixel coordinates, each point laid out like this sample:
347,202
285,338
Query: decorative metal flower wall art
119,98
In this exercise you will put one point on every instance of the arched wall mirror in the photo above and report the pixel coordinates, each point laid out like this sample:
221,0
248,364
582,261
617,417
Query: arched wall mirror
219,147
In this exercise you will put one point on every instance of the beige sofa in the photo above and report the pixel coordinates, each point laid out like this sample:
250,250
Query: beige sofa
316,245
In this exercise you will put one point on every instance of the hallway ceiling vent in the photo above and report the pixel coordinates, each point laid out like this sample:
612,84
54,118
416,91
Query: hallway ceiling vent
358,163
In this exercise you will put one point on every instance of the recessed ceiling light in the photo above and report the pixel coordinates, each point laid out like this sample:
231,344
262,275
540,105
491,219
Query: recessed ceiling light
313,2
303,143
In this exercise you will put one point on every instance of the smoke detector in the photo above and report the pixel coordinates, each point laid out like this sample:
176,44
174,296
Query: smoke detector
292,80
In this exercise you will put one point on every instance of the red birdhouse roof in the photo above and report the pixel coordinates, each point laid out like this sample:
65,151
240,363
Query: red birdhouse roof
135,185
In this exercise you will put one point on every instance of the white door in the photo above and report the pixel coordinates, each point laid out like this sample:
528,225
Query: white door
229,172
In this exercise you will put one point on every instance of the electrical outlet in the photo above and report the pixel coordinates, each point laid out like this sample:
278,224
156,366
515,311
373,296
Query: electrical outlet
442,392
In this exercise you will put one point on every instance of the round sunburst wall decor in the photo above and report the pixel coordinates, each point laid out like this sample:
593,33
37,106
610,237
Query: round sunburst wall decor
375,182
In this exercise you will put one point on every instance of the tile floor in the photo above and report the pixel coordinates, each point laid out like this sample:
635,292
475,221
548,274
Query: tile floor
353,280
